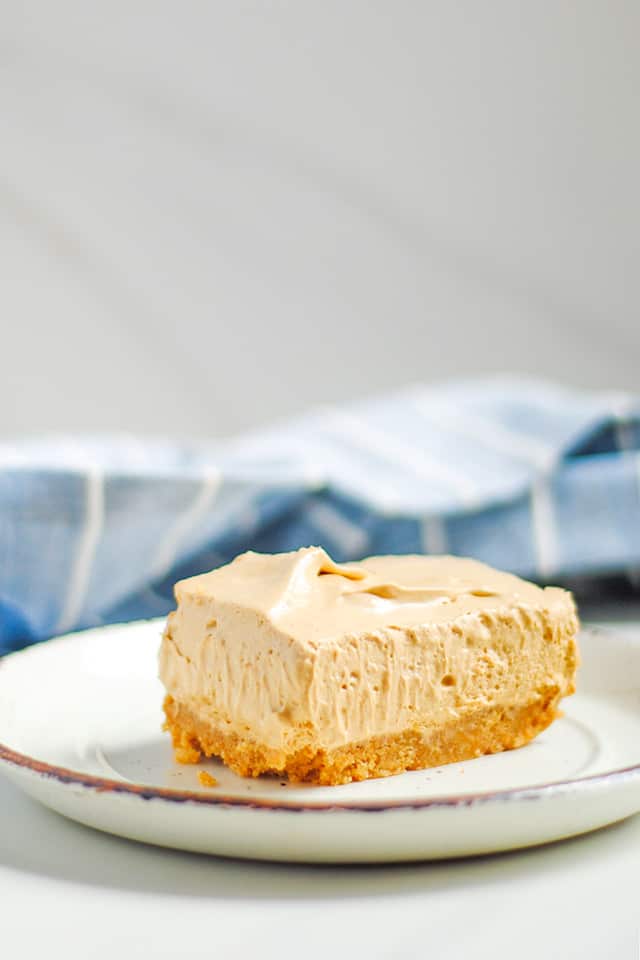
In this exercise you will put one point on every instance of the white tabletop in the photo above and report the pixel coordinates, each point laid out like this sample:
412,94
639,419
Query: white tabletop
66,890
69,891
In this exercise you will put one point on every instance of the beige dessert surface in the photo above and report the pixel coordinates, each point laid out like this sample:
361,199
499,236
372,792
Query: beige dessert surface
292,664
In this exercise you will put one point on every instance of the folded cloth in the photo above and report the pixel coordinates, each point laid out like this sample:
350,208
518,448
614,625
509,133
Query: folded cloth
527,476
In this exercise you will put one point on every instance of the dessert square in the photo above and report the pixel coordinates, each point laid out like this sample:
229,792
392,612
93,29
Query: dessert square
329,673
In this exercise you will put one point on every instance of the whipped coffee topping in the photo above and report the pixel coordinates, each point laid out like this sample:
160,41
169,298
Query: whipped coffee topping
306,595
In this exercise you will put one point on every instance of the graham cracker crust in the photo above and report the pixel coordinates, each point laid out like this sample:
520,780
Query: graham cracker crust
475,733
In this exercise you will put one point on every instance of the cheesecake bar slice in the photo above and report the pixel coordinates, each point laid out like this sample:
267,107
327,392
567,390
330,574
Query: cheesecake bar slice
293,664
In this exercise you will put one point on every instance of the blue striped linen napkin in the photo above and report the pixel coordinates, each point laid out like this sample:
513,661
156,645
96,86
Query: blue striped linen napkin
528,476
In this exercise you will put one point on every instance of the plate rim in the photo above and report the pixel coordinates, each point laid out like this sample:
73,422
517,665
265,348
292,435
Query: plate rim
105,785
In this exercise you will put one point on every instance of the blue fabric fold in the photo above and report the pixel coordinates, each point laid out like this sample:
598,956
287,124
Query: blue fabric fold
529,476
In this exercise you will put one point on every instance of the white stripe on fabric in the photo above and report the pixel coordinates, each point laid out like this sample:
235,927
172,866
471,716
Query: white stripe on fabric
396,452
622,409
434,535
544,529
89,538
348,473
634,574
624,435
196,511
351,539
488,433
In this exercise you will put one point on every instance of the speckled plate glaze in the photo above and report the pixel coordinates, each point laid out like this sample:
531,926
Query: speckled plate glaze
80,730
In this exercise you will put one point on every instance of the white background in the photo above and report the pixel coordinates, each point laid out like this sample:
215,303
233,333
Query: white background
213,214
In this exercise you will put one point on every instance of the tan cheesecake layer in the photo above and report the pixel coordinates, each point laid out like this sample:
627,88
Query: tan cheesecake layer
292,664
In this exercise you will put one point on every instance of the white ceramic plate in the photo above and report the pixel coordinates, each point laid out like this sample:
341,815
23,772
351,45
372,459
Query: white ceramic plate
80,730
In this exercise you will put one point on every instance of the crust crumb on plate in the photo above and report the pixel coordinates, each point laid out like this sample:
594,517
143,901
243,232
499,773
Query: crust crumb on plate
206,779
